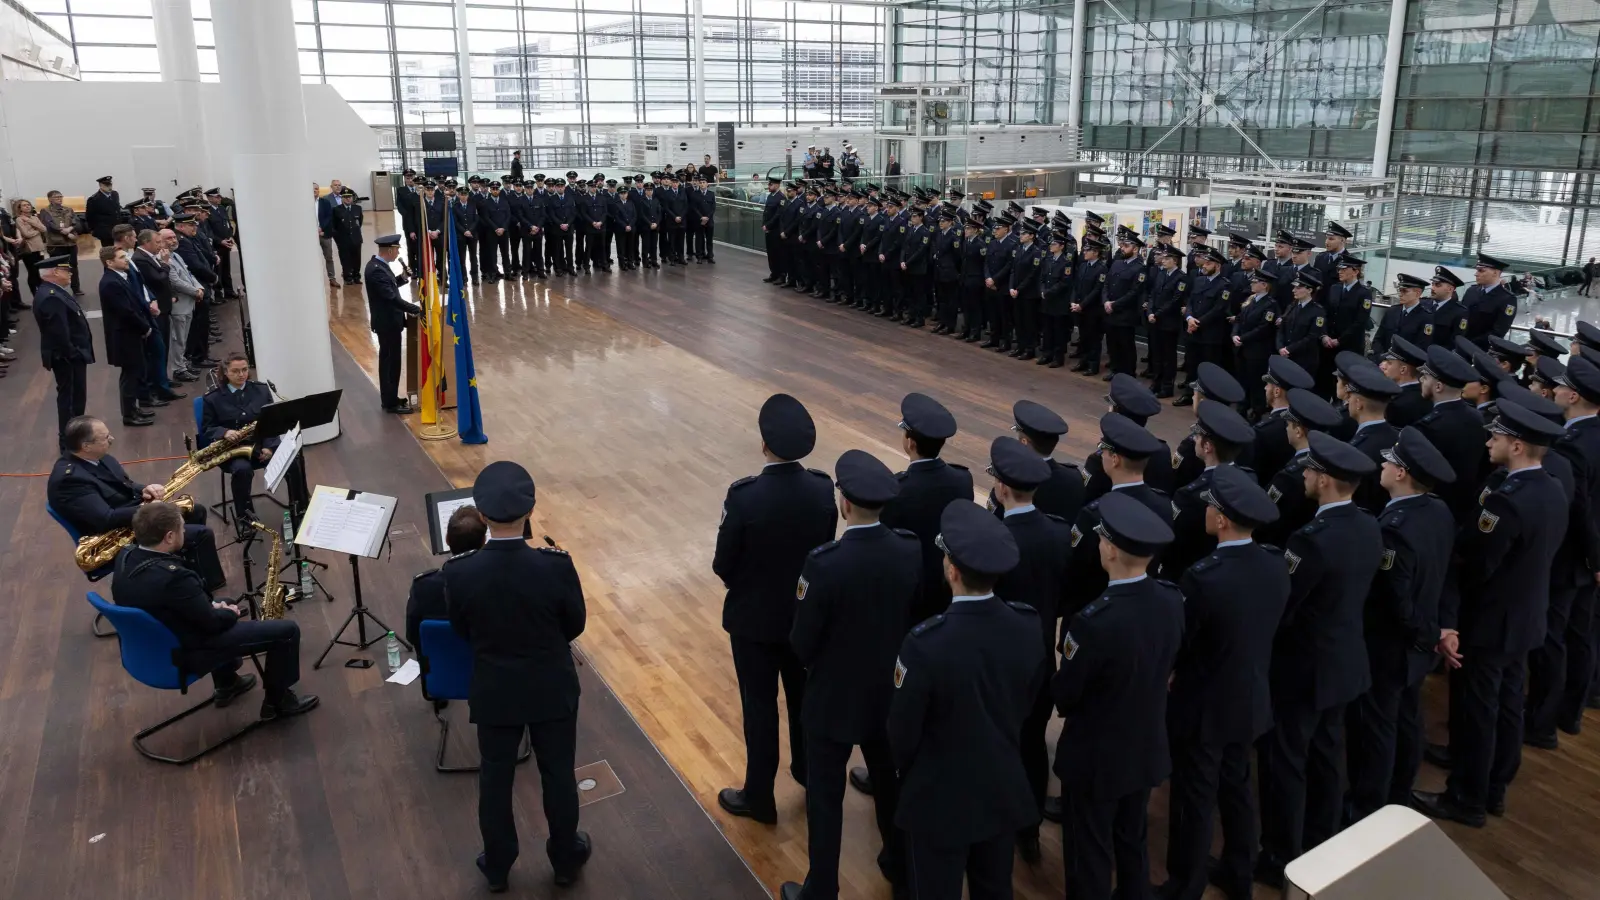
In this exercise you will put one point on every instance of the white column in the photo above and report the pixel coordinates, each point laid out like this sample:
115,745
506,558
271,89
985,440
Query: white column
698,48
469,130
1391,87
271,165
1080,12
180,66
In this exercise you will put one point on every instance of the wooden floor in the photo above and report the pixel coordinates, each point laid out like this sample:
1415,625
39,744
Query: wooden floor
343,803
633,398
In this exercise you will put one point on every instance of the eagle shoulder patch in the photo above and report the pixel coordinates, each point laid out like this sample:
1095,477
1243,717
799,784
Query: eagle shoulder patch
1069,646
899,672
801,588
1387,562
1482,496
1182,287
1427,329
1511,310
1487,521
1292,559
1141,278
1102,277
1366,304
1225,295
1269,315
1076,535
1319,321
1462,325
1036,260
1273,493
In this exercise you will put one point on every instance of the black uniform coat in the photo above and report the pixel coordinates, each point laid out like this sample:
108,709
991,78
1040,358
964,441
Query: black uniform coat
386,309
1488,312
1372,440
1112,690
964,681
519,608
1125,290
157,278
1233,600
1187,512
855,594
1402,613
1085,579
1320,659
926,488
1407,408
1505,555
1055,284
1168,293
1349,314
974,255
1039,580
1062,495
1415,325
1088,287
198,256
223,409
946,255
1157,474
94,498
1449,319
163,585
1300,332
1026,262
1257,329
1287,489
102,211
997,261
1581,446
1272,447
769,523
1209,303
1456,428
915,250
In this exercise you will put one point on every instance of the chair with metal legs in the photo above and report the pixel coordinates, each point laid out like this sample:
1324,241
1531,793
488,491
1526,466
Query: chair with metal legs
94,576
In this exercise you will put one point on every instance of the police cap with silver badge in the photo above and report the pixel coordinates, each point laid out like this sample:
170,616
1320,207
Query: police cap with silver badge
926,416
1131,398
1335,228
503,491
1127,438
1448,368
1016,466
1404,281
1308,278
1485,261
1547,370
786,427
1286,373
387,240
1237,495
1221,422
64,261
1035,418
1337,458
1441,274
1510,351
1404,351
1312,412
1131,526
1346,261
864,480
1542,344
1363,377
1417,455
1510,392
1521,423
1583,376
976,540
1214,382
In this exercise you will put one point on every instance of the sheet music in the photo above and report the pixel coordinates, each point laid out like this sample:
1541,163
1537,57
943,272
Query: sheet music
344,524
282,458
446,508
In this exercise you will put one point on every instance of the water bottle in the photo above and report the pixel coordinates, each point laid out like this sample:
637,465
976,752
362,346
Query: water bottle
308,588
393,648
288,528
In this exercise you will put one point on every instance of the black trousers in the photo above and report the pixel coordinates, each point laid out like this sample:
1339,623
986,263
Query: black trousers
936,873
554,749
1301,796
1098,834
759,666
1056,332
72,381
241,481
558,249
826,760
774,252
503,244
1026,312
1210,778
597,250
821,269
916,285
1385,742
650,240
971,299
1581,663
947,303
1122,350
1252,367
841,271
389,352
1547,664
225,270
349,259
1485,725
129,377
704,238
675,239
487,244
867,276
513,239
220,653
198,345
580,246
533,251
891,298
1091,328
1036,754
1164,356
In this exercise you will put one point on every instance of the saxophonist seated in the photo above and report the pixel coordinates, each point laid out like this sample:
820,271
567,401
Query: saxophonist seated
464,532
91,491
212,636
235,403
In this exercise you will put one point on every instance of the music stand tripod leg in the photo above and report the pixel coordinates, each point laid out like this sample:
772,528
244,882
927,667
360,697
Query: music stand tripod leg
358,614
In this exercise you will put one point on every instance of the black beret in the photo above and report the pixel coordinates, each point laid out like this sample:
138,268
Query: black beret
975,539
1337,458
926,416
1588,335
1583,376
1131,526
1131,398
864,480
1286,373
1127,438
1015,465
1239,497
1542,344
503,491
1417,455
1364,377
1312,412
786,427
1485,261
1448,367
1548,370
1037,419
1215,383
1336,229
1222,422
1404,351
1520,422
387,240
1403,281
1440,273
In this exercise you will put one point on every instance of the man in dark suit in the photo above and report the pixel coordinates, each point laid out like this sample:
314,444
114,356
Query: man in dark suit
1319,661
854,594
65,345
964,681
128,324
103,210
520,608
428,598
771,212
200,258
704,214
387,311
1220,701
89,489
770,522
464,218
1121,304
224,411
408,203
1116,656
1498,616
155,273
213,635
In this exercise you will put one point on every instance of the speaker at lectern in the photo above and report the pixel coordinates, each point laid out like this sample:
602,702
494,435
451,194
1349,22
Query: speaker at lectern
1394,853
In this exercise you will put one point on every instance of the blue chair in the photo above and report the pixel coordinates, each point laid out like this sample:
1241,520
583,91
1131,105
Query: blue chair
94,576
446,661
221,509
147,655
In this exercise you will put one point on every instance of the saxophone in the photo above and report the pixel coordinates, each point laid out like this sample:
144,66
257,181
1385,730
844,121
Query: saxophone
272,593
98,550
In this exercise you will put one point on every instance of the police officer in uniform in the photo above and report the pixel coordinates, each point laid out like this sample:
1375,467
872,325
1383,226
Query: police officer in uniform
1349,306
1303,324
1220,702
1123,456
1366,393
1577,391
1169,292
1455,427
1220,434
1307,413
520,608
1123,303
1135,402
1039,579
1319,661
854,595
1401,361
1255,340
998,257
1022,296
1410,318
1210,305
974,254
1116,657
387,311
927,486
429,597
1272,447
65,345
1490,305
235,402
1506,555
964,682
1055,301
1040,429
1401,625
770,522
1210,383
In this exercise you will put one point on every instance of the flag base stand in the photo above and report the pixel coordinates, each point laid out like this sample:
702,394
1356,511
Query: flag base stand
439,432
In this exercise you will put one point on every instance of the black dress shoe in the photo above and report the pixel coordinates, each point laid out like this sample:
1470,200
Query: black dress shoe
735,802
185,376
1056,364
1437,755
1217,878
568,873
1593,701
1443,806
495,887
1269,874
1107,376
1573,727
789,890
1541,741
1185,400
860,780
1028,354
221,697
156,402
1003,348
401,409
1028,846
973,339
1042,361
1052,809
1496,806
989,345
769,279
290,704
138,421
1093,370
173,395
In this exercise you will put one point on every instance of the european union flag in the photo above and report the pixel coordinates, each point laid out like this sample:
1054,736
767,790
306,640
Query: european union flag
469,413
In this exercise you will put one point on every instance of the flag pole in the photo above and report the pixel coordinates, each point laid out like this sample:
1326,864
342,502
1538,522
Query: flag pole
432,429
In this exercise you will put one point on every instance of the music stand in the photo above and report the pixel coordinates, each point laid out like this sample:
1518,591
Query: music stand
278,418
441,504
332,524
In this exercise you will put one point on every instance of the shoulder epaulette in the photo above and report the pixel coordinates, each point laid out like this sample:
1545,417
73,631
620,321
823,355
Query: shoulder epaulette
957,466
1204,564
905,532
1272,548
1315,525
1397,518
823,548
457,558
743,481
1511,485
1065,465
1021,607
927,625
822,473
1094,607
902,475
1165,583
1056,517
421,575
556,550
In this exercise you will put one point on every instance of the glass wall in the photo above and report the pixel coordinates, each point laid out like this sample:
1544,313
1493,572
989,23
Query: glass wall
1013,55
